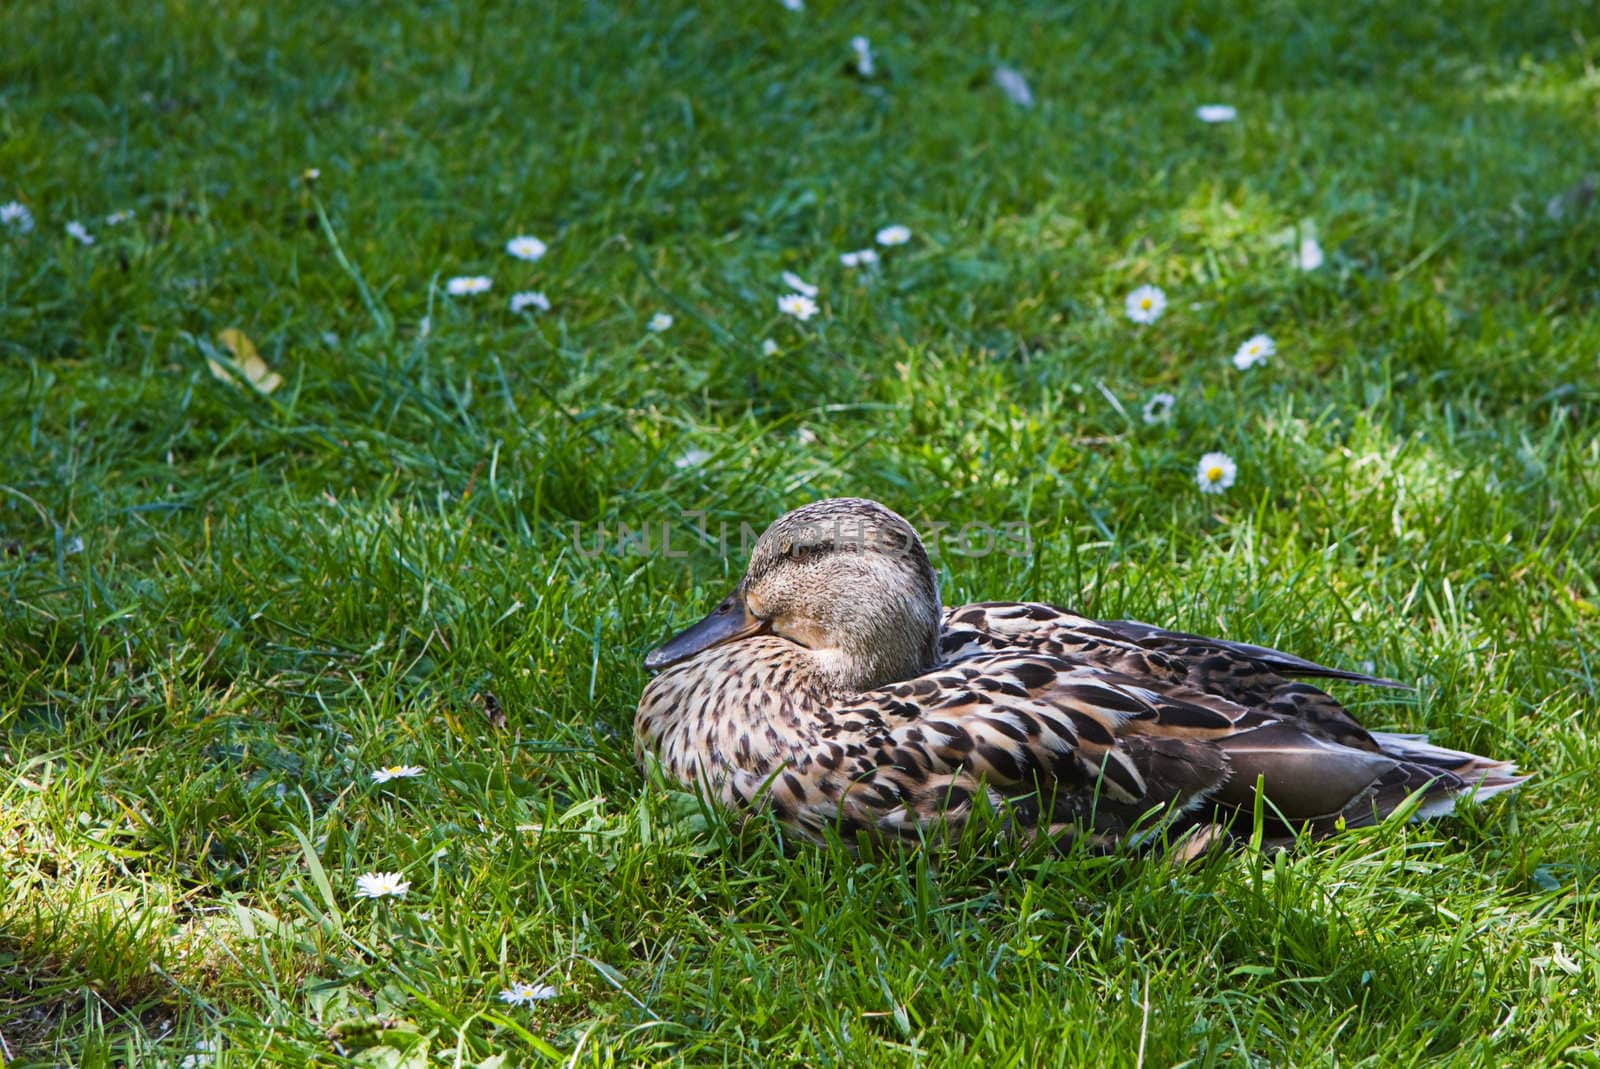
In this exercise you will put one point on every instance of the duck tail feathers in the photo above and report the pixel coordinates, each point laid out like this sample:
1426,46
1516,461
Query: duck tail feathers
1456,774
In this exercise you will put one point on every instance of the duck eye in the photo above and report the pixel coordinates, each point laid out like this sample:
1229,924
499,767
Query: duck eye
806,551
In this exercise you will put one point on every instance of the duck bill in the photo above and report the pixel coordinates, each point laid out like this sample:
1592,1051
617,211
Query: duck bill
729,621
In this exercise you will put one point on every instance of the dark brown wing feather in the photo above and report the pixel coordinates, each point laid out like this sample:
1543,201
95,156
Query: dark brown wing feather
1183,644
1251,676
1188,710
1042,626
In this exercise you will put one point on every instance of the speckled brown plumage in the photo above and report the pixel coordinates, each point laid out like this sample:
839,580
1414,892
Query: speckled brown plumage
831,689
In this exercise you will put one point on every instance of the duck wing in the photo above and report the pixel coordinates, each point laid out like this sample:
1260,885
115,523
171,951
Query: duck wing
1254,677
1036,625
1073,747
1198,647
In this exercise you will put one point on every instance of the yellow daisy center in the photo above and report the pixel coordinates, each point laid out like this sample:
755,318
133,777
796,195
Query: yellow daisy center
1214,473
1145,303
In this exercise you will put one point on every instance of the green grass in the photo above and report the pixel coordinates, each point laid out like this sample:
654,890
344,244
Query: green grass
220,610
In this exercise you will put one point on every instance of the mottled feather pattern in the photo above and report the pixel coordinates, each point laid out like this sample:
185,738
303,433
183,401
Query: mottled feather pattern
1070,724
1062,711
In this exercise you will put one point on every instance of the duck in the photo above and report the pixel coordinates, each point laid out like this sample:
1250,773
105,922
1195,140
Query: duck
833,691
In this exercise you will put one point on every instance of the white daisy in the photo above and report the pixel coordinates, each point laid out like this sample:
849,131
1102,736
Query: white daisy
79,233
794,5
863,51
17,216
1145,304
522,993
467,285
769,347
659,322
311,174
1159,408
692,459
1215,113
382,885
1215,473
118,218
530,299
1310,257
894,235
798,305
859,258
798,284
526,248
1014,86
384,775
204,1055
1254,351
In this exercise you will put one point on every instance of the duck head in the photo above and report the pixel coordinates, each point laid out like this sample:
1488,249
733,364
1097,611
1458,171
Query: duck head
847,581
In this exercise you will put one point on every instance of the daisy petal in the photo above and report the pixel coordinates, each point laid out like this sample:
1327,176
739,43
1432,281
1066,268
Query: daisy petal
1159,408
468,285
381,885
798,305
524,247
798,284
894,234
1255,350
530,299
1215,473
384,775
1145,304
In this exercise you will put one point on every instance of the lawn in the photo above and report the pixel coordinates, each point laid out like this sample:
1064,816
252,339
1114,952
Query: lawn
277,510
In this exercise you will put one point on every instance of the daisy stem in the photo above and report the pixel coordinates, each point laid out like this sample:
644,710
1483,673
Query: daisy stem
380,318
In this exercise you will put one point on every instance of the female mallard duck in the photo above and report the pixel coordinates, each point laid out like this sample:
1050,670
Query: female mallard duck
829,688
